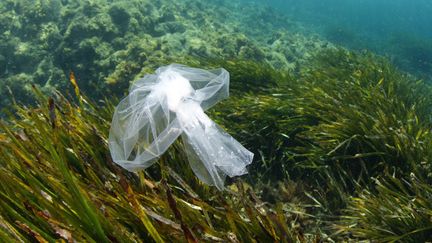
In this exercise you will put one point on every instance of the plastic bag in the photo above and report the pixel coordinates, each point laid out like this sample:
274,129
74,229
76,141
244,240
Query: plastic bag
162,106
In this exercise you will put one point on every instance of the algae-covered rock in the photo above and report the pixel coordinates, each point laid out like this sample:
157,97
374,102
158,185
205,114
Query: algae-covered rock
98,40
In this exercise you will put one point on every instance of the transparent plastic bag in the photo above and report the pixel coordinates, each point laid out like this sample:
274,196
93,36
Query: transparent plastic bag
162,106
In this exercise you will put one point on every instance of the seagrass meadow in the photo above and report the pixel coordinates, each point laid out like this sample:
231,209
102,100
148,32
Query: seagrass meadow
343,151
341,135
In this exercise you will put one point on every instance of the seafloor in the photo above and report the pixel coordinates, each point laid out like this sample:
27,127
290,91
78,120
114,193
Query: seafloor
342,139
106,43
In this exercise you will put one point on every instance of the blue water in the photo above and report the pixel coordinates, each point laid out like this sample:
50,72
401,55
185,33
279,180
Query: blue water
369,17
399,29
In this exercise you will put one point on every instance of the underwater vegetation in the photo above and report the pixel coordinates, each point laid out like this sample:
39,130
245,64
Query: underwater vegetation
343,153
399,210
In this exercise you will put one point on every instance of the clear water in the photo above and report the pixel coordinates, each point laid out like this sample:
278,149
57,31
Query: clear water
400,29
378,19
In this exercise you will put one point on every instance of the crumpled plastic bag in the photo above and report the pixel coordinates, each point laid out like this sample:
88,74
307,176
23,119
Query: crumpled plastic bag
162,106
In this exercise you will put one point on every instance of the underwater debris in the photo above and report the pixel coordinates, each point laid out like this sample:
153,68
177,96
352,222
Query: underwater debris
170,103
